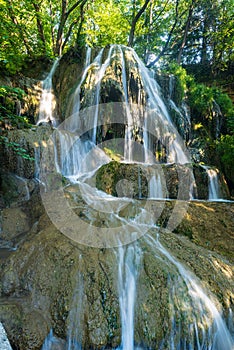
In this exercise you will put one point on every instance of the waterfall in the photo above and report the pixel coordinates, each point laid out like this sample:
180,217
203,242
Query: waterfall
207,329
99,78
155,187
75,318
78,155
88,56
129,123
73,123
164,124
74,157
214,189
128,264
148,122
50,342
47,103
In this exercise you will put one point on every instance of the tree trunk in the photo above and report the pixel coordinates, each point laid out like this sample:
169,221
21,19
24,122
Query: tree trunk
204,43
185,34
63,19
40,27
59,38
168,38
134,22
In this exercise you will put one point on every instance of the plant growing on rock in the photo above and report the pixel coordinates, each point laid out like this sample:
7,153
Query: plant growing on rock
10,118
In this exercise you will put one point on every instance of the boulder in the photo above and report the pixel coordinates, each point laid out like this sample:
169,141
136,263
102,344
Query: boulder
53,282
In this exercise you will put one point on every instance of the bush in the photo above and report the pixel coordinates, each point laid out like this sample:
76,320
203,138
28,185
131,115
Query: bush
9,97
225,148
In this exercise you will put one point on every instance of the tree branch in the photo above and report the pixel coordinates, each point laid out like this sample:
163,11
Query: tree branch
168,38
73,7
134,22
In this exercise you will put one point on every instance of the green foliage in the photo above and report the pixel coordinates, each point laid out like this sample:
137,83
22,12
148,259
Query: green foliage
11,92
9,96
20,151
201,98
105,25
225,148
227,108
182,79
188,31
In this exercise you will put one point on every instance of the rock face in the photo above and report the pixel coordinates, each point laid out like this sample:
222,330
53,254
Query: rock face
40,279
32,141
176,181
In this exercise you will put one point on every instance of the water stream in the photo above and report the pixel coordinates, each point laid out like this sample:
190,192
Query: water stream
76,314
73,123
214,190
129,258
47,102
155,187
207,328
77,159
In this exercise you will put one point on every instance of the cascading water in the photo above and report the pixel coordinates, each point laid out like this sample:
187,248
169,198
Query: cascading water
74,121
206,329
77,155
99,78
47,98
128,264
129,122
50,342
154,120
155,187
214,189
155,103
75,318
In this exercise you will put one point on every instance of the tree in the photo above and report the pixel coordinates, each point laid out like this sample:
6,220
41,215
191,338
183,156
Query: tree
33,29
136,17
189,31
106,22
69,17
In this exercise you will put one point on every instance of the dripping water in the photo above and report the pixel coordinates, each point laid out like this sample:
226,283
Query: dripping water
207,330
214,189
73,123
155,187
75,318
128,265
47,98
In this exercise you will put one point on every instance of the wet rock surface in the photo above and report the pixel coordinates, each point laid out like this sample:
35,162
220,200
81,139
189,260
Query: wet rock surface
133,180
38,279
